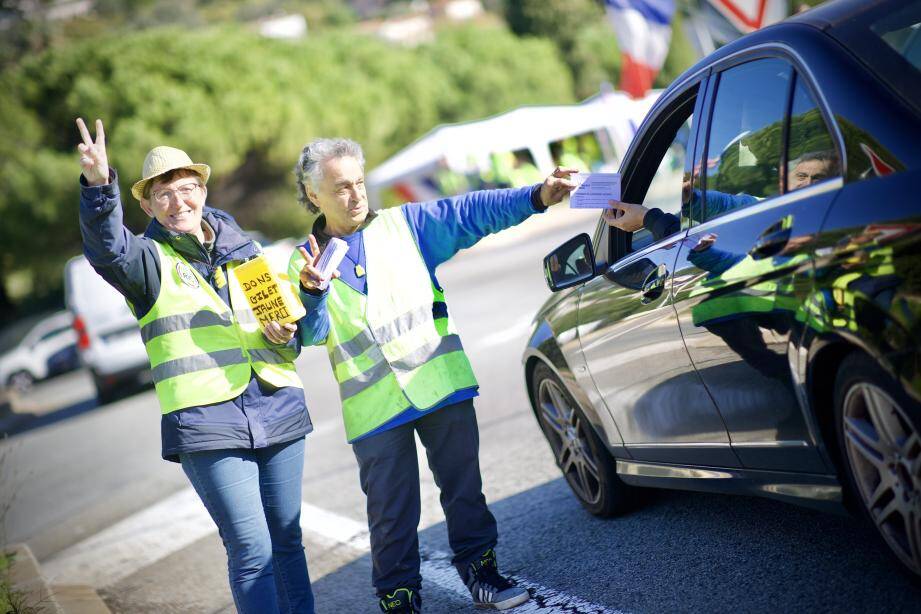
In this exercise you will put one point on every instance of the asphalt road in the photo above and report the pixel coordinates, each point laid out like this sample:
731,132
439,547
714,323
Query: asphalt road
84,485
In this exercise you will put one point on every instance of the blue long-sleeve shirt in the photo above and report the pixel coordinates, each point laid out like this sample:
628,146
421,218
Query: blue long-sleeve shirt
440,228
262,415
662,224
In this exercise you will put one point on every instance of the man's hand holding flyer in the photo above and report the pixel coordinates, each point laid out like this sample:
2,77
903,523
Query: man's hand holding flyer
594,190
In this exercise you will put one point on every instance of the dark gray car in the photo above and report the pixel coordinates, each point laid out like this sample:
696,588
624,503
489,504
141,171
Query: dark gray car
763,337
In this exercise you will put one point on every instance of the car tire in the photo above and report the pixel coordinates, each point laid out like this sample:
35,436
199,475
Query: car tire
106,390
879,432
21,382
587,466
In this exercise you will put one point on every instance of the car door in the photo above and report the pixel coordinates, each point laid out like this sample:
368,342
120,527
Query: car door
627,326
770,171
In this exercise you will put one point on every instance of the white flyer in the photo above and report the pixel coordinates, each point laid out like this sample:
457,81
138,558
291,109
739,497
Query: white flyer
330,258
594,190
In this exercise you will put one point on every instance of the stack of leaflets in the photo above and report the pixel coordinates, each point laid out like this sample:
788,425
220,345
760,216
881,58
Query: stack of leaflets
330,258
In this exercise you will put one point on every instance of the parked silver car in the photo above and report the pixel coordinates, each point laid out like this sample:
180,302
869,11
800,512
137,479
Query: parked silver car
36,348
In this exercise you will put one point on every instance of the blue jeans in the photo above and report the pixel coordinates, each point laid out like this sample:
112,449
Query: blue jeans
254,497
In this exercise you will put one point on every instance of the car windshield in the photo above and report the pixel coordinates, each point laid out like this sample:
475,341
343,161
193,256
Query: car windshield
16,332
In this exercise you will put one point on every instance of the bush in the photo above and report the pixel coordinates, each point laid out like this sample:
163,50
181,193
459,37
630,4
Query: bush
242,103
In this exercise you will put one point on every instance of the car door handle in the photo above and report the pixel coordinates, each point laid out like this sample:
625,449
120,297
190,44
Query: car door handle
771,241
654,284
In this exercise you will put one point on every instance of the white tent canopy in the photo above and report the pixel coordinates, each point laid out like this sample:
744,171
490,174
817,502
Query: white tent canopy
531,127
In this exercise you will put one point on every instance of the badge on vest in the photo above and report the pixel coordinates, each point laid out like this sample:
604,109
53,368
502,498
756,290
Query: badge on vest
219,280
186,275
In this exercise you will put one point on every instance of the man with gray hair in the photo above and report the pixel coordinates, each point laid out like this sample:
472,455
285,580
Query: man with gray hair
812,167
399,362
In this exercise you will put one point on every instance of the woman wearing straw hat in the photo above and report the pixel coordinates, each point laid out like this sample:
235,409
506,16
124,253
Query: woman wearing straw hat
233,406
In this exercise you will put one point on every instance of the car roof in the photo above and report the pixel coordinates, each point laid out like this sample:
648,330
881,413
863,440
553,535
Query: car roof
833,13
833,20
818,20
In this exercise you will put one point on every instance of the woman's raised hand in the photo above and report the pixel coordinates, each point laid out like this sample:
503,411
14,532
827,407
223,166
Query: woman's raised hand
93,157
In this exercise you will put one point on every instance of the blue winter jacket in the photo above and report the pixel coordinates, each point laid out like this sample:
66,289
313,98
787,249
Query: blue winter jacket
262,415
441,228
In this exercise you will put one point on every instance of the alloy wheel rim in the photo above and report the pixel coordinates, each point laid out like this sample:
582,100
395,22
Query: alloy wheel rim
21,382
884,451
569,441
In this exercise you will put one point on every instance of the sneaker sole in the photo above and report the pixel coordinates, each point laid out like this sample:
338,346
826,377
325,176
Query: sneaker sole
511,602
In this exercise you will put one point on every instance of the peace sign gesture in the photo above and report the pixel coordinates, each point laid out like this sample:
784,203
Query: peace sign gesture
93,157
311,278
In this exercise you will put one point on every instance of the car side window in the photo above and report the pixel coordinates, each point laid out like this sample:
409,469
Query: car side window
665,189
811,153
53,332
746,136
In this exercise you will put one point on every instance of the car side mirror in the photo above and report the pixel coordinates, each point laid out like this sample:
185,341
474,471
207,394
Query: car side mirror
570,264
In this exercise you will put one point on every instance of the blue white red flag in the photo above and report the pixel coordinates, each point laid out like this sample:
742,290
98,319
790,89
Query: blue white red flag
643,29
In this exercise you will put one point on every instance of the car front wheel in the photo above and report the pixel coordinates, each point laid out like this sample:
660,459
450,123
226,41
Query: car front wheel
879,427
586,464
21,381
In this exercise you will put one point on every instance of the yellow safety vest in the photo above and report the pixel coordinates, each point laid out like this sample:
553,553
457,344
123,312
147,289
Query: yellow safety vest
200,351
763,297
388,351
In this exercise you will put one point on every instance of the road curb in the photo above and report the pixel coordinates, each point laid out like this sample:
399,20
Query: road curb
26,579
79,599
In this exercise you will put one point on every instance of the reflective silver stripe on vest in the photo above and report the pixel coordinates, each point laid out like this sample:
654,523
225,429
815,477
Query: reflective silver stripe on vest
245,316
363,381
434,349
353,348
273,357
414,360
184,321
753,292
402,324
200,362
359,344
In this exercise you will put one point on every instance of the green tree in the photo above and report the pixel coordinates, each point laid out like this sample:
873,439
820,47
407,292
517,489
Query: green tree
586,40
242,103
578,28
23,31
489,70
681,54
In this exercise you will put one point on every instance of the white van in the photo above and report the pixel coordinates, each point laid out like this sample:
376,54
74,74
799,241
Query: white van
601,128
108,336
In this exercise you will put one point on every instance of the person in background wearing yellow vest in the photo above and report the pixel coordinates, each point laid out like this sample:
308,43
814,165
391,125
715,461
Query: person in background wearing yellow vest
524,173
233,406
400,364
564,154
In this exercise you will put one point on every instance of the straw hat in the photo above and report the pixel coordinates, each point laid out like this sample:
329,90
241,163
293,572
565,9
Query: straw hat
163,159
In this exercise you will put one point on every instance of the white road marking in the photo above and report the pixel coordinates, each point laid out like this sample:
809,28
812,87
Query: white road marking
438,569
181,519
133,543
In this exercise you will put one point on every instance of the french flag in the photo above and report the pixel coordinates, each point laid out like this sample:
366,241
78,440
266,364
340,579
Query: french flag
643,32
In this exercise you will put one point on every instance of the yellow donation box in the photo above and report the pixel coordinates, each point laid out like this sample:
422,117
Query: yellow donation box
269,294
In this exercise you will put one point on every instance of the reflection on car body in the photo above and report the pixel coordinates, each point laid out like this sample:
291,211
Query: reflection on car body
762,334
